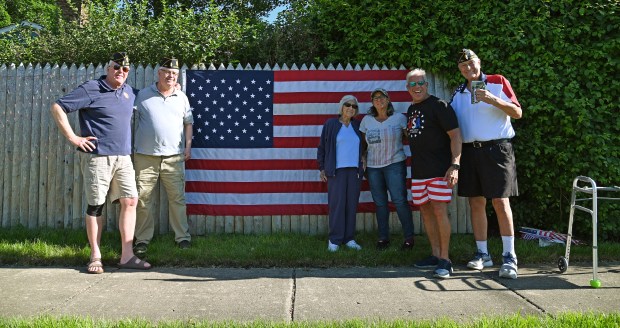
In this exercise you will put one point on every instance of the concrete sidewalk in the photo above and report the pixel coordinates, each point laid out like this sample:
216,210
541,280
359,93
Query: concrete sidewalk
286,295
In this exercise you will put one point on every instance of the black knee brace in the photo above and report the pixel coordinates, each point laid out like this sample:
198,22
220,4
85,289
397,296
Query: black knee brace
94,210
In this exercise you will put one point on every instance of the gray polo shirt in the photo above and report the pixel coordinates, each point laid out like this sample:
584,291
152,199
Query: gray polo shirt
160,122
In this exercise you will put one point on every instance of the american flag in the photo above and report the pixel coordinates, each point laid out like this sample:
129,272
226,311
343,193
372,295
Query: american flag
545,235
256,134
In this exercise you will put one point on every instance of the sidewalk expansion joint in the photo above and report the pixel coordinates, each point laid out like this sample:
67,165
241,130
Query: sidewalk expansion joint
291,299
83,291
516,292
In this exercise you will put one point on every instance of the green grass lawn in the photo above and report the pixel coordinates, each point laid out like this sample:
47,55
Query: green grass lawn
57,247
572,320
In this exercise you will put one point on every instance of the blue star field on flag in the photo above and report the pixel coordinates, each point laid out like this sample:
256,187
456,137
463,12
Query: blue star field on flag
232,108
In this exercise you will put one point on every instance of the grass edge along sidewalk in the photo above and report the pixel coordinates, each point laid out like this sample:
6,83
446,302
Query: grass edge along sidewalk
57,247
569,319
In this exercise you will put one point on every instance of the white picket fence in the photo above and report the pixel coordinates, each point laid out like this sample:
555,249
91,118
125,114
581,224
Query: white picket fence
41,183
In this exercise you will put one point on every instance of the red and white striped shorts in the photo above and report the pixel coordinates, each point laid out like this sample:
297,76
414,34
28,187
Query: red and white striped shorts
435,189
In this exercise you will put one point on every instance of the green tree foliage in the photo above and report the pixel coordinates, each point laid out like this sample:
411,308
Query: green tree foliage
5,18
246,10
562,58
193,37
291,38
42,12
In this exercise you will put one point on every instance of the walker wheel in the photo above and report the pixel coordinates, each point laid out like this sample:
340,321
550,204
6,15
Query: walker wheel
562,264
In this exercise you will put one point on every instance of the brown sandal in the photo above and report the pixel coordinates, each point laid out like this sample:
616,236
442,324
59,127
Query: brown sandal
95,266
134,263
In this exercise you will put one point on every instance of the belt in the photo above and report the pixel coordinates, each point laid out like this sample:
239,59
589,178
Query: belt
480,144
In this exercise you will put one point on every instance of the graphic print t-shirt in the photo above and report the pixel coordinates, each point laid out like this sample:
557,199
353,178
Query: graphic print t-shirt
385,140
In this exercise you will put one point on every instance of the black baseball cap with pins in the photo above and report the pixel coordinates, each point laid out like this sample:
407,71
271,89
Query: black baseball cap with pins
171,63
466,55
120,58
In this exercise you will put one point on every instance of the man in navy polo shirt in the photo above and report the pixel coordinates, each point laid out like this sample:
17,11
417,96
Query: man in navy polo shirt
484,105
105,107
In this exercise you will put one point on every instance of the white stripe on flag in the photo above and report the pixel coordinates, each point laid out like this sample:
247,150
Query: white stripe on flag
265,198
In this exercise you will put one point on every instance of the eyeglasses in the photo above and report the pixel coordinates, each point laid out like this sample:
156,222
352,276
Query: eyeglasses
350,105
420,83
117,67
171,73
379,98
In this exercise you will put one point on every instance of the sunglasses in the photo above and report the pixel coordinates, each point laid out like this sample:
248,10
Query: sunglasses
350,105
379,97
117,67
420,83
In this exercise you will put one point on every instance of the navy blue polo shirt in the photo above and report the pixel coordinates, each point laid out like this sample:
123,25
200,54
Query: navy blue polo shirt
104,113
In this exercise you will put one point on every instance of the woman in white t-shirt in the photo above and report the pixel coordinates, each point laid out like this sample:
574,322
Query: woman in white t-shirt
386,169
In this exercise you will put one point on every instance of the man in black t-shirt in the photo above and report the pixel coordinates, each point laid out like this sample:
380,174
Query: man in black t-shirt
435,143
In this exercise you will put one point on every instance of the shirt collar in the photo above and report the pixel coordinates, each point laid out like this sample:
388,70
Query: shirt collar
154,87
104,84
463,87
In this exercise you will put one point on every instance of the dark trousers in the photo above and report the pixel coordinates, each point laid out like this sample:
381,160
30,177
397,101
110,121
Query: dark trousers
343,193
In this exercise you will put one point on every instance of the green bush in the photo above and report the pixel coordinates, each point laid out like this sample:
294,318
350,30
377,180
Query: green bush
562,58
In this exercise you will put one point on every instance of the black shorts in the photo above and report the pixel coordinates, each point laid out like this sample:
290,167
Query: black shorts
488,171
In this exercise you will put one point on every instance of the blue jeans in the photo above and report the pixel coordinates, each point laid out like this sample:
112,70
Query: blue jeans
391,178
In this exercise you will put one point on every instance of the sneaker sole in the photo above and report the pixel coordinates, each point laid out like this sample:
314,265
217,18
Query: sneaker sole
507,274
425,266
477,267
441,276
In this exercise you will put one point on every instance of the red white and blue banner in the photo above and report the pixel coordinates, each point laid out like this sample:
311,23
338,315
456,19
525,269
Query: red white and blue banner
545,236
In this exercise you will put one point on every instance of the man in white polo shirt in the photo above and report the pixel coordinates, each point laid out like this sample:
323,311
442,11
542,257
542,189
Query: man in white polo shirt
162,144
484,105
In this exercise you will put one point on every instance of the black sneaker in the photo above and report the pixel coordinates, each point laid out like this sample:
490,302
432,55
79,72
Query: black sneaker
184,244
407,245
140,248
383,244
427,263
444,269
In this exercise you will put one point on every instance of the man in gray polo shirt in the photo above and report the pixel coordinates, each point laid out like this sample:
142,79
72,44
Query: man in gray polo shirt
162,144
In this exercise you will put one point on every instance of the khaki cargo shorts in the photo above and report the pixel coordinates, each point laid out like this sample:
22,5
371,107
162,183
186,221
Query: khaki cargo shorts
103,175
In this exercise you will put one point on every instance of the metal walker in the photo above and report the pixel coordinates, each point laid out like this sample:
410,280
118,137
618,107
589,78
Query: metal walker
591,190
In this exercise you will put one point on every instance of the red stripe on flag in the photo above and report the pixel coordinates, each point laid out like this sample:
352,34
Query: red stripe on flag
242,210
224,165
328,75
284,120
296,142
254,187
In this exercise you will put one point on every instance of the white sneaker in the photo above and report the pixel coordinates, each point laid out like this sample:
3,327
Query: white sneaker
331,247
480,261
353,245
509,268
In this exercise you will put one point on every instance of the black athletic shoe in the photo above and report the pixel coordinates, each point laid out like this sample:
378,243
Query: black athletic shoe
383,244
184,244
140,248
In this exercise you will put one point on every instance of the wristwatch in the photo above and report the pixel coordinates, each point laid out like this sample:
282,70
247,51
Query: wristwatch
455,166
